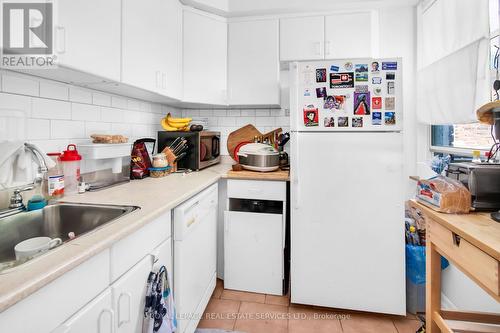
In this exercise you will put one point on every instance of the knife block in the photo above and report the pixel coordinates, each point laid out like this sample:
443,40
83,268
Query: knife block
171,159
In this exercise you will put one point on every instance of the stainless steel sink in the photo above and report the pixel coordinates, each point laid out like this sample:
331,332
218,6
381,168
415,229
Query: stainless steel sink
57,220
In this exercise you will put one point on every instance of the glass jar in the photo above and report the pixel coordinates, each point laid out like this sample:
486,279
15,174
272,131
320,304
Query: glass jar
160,160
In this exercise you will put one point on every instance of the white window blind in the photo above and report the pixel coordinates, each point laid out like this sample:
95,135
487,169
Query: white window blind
453,67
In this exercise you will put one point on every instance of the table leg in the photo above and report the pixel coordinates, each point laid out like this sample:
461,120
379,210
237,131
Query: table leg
433,286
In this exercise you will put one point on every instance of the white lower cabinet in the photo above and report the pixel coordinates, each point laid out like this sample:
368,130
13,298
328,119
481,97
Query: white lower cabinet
128,295
97,316
253,252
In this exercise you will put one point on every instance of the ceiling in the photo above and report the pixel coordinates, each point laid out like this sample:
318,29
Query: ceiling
237,8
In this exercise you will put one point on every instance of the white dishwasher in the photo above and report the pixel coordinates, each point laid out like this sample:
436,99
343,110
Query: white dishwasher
195,256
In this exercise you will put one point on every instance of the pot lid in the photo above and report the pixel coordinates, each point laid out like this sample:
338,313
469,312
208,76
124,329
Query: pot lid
257,149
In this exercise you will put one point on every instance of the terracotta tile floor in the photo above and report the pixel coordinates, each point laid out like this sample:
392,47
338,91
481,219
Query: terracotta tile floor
259,313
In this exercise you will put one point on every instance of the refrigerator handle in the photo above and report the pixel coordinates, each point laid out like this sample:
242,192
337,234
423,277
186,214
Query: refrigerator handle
294,171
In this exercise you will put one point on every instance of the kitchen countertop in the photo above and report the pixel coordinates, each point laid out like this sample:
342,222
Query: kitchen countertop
280,175
154,195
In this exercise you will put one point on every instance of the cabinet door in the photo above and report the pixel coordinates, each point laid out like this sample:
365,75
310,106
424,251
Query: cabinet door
301,38
140,44
253,62
87,36
128,294
348,35
169,56
97,316
253,252
204,58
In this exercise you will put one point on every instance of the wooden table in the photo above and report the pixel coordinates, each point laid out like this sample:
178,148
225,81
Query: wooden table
472,243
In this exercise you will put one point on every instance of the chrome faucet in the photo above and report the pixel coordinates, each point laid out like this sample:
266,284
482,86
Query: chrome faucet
16,200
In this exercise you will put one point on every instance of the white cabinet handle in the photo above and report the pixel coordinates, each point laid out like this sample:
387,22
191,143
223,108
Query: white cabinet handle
295,170
164,80
158,79
120,319
327,47
61,39
111,321
317,48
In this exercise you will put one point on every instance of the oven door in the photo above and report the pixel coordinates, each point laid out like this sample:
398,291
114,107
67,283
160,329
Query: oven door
209,149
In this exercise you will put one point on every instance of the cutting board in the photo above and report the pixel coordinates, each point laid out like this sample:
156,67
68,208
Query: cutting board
282,175
247,134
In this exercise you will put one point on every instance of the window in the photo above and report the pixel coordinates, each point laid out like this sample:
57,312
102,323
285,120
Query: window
475,135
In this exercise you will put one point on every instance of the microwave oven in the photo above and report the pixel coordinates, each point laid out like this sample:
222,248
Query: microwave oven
203,148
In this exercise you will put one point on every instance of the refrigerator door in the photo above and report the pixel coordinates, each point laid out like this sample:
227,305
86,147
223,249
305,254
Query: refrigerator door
347,221
353,95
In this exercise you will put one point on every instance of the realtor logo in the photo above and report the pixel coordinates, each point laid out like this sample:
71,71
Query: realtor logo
27,39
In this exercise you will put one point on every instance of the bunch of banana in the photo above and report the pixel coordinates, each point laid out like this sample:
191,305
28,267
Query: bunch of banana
175,124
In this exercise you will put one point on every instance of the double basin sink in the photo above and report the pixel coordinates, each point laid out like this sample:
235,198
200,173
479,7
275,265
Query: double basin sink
55,221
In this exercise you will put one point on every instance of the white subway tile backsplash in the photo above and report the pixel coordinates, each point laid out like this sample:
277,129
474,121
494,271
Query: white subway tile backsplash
118,102
246,113
80,95
37,129
93,127
264,121
191,113
121,128
101,99
282,121
20,84
49,89
50,109
227,121
242,121
219,113
10,102
262,113
133,117
111,115
234,113
67,129
85,112
133,104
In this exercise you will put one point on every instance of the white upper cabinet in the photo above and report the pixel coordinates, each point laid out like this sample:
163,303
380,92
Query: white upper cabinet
204,58
253,62
151,46
348,35
302,38
170,54
87,36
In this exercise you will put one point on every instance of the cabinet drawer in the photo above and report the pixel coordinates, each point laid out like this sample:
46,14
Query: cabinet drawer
471,258
130,250
256,189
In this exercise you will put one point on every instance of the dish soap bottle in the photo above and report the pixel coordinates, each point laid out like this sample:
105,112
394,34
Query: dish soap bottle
476,156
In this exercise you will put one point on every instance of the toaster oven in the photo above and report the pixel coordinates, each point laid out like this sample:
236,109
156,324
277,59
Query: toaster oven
203,148
482,180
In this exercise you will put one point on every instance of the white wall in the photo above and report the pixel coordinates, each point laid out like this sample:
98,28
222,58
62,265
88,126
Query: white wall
52,115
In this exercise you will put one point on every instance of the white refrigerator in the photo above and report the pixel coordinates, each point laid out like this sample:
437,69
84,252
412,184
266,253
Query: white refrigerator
347,211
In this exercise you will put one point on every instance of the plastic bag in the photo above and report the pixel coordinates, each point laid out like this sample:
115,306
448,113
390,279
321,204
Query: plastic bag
444,194
415,263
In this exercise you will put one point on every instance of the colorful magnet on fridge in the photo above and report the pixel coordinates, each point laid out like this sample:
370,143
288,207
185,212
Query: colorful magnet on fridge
311,115
321,92
377,91
375,67
307,92
361,72
334,68
390,76
376,80
361,88
357,121
377,103
342,80
335,102
329,122
343,121
361,103
377,118
348,66
390,103
321,75
389,66
390,118
390,88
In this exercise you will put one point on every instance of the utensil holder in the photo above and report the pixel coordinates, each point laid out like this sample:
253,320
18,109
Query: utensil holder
171,159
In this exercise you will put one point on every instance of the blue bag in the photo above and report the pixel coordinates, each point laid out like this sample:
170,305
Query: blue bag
415,263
